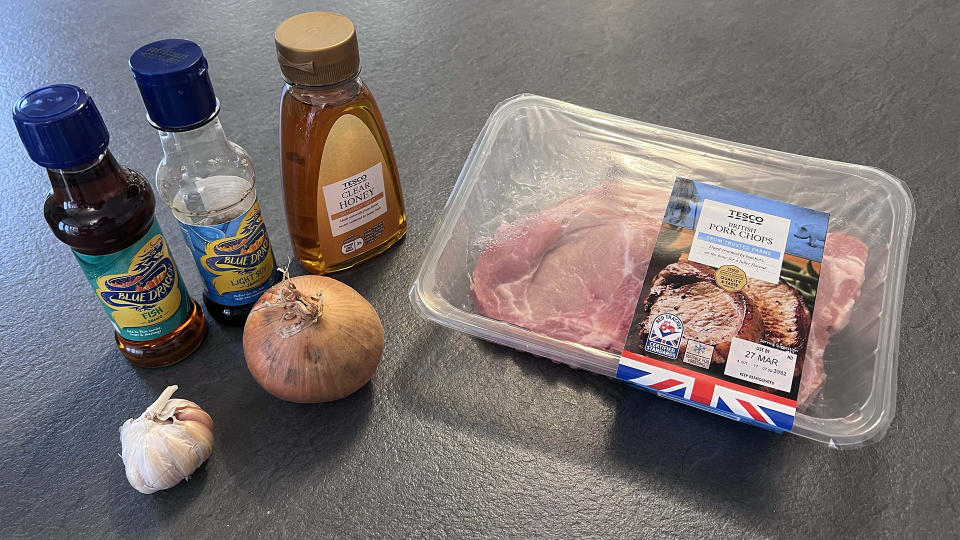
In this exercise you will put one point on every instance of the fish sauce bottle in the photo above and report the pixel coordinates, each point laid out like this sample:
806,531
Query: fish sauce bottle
340,183
206,180
104,212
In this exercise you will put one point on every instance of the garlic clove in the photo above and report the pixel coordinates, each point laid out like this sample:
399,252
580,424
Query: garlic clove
195,415
201,434
133,473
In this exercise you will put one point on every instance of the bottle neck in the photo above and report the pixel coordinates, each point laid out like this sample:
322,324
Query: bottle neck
200,143
330,95
88,184
203,176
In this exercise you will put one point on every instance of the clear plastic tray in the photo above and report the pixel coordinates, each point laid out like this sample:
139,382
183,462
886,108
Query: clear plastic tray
534,152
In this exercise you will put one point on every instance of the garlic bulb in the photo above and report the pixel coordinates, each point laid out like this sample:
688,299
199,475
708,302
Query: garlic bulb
166,443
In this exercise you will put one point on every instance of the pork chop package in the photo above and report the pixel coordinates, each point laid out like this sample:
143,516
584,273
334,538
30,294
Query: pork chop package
762,286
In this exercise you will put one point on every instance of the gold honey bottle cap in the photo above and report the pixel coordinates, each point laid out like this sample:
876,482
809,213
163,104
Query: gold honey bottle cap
317,48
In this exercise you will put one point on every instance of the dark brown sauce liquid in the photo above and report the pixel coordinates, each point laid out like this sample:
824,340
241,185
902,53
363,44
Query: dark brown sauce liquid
234,315
99,210
104,209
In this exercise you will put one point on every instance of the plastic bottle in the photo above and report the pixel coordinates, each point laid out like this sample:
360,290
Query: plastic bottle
340,183
206,180
104,212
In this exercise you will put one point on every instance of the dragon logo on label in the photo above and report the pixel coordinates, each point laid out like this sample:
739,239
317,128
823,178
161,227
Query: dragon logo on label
242,261
148,292
666,331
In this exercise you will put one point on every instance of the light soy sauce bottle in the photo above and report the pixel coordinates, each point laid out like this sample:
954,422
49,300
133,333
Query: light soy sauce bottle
104,212
206,180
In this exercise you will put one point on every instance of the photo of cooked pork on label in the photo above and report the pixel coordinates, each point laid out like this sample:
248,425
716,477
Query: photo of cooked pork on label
771,314
710,314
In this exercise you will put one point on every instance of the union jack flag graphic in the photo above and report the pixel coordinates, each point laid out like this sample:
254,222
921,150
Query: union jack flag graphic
707,392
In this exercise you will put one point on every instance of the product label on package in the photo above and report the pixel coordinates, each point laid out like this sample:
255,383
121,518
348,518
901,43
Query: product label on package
355,201
139,287
749,240
234,258
725,309
359,205
749,361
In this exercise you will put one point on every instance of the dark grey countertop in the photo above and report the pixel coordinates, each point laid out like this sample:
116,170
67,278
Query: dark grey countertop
456,437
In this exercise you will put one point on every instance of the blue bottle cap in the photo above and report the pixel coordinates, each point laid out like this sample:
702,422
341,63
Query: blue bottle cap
174,84
60,126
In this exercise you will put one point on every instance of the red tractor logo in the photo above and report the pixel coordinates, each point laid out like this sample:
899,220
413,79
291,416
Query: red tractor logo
666,328
665,335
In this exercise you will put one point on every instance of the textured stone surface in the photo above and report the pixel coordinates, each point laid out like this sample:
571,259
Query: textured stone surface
455,436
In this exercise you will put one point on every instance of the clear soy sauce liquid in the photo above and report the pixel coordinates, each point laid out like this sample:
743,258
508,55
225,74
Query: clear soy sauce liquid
212,201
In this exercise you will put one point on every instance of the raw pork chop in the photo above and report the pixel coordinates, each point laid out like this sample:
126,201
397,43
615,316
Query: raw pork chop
574,272
841,275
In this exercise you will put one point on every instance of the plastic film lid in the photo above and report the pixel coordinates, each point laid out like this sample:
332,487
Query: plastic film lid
534,152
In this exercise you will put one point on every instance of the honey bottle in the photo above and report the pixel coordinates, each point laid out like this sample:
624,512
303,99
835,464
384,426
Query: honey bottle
340,183
104,212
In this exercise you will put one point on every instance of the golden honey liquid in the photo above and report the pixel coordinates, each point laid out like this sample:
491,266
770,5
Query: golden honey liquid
330,137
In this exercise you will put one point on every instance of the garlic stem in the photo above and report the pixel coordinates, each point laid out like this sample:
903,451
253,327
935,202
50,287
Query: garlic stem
158,405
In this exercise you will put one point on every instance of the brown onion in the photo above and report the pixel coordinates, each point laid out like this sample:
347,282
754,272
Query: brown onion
311,339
